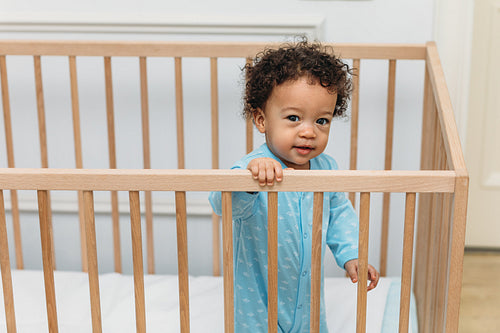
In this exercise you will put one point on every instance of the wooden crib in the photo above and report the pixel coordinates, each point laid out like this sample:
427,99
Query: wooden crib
431,267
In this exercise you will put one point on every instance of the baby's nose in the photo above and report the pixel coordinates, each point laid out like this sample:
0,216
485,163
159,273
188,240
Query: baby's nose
307,131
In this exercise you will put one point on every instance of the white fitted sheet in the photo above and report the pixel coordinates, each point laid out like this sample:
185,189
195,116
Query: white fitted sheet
162,314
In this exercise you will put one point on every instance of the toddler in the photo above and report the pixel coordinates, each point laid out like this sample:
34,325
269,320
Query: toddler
292,94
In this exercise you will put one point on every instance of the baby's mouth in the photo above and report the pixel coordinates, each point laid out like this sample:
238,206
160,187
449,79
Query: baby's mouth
303,150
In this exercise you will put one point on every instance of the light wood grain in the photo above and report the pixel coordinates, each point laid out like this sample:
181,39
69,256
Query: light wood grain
364,223
214,108
93,270
110,118
146,152
135,224
115,217
272,262
110,109
456,255
75,108
42,131
8,294
404,308
179,108
226,180
9,142
317,240
425,201
197,49
47,258
214,103
445,109
182,259
227,253
389,134
353,157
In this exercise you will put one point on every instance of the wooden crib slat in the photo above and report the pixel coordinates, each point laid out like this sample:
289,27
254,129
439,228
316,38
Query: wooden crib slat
108,77
41,112
146,151
135,223
8,294
437,318
430,245
391,92
442,254
404,309
424,205
443,259
435,247
272,262
182,259
364,223
75,107
179,107
47,257
6,112
10,161
214,101
316,261
227,253
214,106
93,270
42,129
356,64
249,123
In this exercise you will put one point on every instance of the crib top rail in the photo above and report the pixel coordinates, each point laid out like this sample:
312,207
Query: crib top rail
196,49
445,113
225,180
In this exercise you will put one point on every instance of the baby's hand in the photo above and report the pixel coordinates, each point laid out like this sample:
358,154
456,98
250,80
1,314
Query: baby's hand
265,170
352,270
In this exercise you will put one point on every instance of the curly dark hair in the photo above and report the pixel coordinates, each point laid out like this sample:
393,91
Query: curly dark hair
272,67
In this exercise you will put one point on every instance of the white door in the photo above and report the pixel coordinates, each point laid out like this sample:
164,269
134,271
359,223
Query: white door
482,146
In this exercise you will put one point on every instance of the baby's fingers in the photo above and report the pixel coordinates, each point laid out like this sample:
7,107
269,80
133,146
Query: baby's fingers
373,276
266,174
254,169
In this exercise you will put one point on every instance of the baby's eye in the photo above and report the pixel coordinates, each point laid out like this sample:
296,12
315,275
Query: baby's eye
292,118
322,121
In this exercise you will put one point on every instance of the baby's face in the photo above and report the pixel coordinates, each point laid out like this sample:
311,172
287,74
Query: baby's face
296,121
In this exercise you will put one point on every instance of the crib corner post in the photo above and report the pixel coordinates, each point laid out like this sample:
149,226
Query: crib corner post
457,245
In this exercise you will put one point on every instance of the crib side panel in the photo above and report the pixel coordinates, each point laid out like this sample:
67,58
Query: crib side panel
441,217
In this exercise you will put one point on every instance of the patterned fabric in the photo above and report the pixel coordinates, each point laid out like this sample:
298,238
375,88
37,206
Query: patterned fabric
340,233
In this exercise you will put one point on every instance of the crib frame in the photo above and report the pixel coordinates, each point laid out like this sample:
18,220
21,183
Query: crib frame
441,184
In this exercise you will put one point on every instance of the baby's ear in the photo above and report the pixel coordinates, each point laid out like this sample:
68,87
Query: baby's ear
259,118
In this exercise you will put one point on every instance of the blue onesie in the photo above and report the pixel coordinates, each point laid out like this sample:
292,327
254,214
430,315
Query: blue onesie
340,233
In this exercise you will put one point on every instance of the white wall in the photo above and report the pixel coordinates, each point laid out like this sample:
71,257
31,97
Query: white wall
381,21
403,21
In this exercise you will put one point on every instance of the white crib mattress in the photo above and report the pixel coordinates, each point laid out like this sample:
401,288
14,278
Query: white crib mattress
162,314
